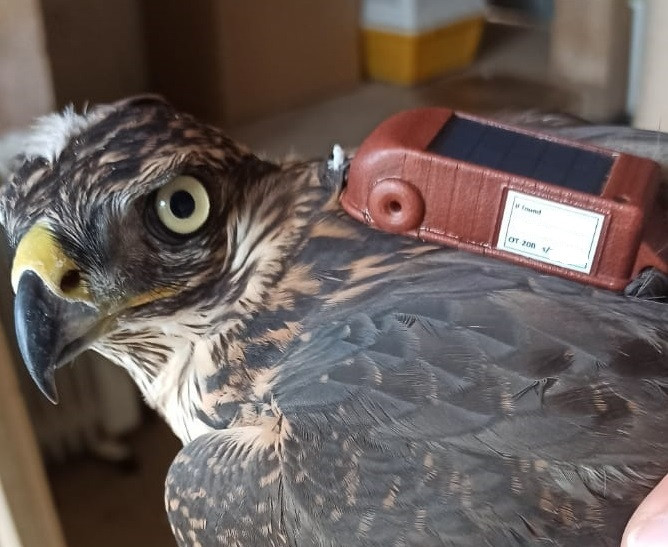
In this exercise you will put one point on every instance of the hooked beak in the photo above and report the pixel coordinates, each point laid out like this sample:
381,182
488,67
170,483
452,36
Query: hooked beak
53,312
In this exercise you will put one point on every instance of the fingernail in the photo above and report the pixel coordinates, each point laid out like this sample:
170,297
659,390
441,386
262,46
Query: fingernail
652,532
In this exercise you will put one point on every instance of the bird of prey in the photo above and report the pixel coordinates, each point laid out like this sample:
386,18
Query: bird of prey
332,385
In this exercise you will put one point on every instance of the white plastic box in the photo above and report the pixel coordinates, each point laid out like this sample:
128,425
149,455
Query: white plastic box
413,16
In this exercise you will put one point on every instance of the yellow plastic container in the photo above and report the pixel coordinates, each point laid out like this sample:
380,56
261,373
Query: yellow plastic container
411,58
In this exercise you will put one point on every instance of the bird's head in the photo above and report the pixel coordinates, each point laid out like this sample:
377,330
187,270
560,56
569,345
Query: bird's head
136,230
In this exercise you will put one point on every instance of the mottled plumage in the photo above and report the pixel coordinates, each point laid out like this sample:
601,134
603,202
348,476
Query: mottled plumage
334,385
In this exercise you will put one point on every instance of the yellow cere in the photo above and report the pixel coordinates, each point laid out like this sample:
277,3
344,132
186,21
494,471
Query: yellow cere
40,252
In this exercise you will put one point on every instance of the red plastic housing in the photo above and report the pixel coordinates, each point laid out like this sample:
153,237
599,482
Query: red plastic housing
397,184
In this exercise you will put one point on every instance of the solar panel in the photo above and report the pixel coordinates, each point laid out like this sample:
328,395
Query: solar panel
523,155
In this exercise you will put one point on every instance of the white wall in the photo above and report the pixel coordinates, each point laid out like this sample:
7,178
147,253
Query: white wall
652,105
25,80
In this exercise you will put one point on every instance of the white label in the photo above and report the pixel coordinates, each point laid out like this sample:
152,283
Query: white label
550,232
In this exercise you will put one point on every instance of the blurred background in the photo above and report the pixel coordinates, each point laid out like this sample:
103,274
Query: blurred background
284,77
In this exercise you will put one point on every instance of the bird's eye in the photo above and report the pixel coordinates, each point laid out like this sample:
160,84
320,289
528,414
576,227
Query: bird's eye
183,205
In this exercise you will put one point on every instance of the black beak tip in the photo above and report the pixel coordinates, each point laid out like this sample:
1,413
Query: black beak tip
47,385
43,376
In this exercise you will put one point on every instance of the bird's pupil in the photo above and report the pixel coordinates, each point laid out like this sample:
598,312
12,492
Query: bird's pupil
182,204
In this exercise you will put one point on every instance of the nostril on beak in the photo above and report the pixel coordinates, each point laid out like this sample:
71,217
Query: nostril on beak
70,281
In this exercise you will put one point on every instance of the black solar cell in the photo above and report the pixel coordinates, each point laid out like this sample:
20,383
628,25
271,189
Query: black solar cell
523,155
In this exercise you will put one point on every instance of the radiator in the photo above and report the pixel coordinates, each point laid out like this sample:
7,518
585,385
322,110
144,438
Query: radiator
98,405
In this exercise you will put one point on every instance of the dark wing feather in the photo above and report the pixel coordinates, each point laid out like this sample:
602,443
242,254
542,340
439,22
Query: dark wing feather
454,401
219,494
